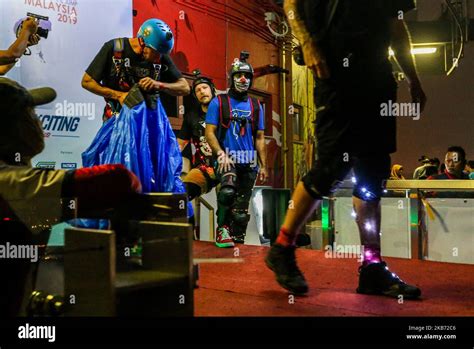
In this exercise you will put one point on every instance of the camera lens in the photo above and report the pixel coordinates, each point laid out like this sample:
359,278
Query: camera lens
42,32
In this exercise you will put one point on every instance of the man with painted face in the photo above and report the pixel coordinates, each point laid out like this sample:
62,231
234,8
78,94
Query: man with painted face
123,62
235,132
201,178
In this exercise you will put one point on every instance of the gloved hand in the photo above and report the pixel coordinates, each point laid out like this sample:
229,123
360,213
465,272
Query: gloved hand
101,187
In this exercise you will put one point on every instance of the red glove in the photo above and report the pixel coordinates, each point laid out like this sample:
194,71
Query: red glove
101,187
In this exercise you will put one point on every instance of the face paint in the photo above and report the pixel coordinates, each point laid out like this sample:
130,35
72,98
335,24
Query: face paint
241,83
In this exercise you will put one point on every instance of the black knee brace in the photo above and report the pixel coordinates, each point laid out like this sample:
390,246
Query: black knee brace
325,176
370,175
240,217
370,189
226,196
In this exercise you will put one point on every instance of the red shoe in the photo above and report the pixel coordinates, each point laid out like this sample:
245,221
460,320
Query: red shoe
223,238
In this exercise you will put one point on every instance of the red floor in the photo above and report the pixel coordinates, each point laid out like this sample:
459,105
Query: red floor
249,289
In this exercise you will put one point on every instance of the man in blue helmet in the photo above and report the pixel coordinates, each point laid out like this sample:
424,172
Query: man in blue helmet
144,60
130,74
235,132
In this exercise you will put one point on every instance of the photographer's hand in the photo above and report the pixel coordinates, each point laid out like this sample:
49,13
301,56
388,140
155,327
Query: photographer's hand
34,40
16,50
30,25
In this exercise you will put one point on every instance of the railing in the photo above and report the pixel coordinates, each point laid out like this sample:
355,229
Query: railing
421,197
201,201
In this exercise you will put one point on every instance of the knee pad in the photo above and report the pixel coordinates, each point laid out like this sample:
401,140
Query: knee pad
240,217
325,177
371,175
226,196
229,179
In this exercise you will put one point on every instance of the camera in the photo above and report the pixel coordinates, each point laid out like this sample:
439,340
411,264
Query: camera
244,55
44,25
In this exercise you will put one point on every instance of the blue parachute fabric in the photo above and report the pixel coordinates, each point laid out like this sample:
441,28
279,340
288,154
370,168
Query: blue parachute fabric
100,224
101,141
141,138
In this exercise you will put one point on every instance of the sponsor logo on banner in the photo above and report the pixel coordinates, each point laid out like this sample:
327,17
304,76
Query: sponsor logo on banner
60,125
69,165
49,165
65,10
71,121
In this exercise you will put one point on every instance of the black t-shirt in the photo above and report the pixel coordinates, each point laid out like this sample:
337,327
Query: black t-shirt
353,95
360,30
103,70
194,130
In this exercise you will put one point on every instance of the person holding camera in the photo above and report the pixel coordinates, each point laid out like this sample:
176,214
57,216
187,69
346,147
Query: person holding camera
26,37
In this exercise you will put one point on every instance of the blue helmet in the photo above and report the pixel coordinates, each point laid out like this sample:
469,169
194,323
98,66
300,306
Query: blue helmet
157,35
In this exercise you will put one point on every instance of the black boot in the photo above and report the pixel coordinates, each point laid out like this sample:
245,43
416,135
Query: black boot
282,261
238,235
303,239
238,239
376,279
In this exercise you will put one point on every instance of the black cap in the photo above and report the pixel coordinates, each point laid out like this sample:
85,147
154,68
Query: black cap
11,91
201,79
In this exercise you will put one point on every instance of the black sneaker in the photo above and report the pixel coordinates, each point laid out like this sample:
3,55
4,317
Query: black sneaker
237,236
303,239
282,261
376,279
238,239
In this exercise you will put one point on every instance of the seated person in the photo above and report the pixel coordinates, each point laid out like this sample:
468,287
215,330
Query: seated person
429,168
455,161
470,169
29,197
397,172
